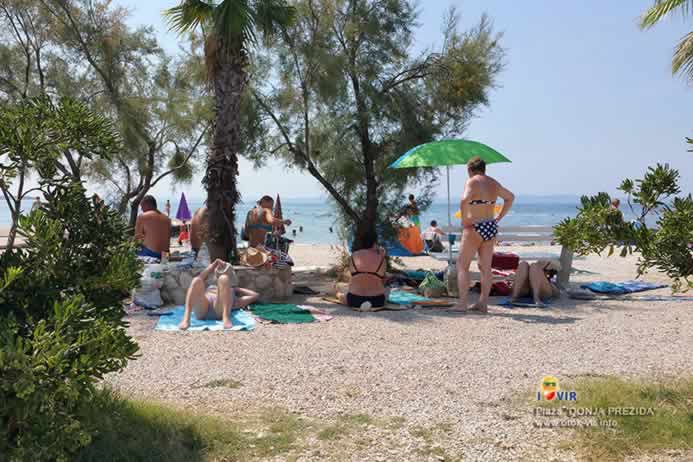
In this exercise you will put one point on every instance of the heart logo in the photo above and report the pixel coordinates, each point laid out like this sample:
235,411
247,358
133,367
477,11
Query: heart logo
550,395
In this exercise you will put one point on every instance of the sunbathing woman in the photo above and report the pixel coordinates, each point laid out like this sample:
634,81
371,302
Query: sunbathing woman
479,230
215,302
367,266
535,281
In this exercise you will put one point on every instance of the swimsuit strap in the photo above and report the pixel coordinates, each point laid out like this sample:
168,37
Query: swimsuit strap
481,202
376,273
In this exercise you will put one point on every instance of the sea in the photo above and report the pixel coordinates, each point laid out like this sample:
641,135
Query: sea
316,216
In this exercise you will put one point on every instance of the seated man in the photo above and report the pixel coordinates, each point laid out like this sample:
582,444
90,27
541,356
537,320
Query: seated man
215,302
260,221
432,237
367,266
153,229
535,281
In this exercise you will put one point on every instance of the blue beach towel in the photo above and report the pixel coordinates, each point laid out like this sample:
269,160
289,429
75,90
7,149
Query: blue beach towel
401,297
620,288
242,320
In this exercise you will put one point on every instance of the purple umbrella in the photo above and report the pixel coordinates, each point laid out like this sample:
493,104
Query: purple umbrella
183,213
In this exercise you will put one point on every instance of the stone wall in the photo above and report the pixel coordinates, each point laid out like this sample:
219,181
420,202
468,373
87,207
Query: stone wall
274,285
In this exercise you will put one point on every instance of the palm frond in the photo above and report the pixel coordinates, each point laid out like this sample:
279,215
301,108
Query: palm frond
683,57
663,7
234,22
272,15
188,15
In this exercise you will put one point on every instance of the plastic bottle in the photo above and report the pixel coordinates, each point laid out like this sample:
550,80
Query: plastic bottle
450,278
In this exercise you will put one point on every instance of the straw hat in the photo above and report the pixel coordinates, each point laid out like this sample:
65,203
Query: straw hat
254,257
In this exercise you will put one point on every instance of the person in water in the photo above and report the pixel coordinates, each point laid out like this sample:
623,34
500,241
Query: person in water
216,301
479,229
536,281
367,266
260,221
152,229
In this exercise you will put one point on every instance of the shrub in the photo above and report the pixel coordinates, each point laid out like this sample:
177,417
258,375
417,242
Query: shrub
61,327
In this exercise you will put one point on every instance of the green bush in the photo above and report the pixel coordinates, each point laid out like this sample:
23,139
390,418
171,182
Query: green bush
668,246
61,326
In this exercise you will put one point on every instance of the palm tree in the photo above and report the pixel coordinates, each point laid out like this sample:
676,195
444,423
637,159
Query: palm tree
229,28
683,57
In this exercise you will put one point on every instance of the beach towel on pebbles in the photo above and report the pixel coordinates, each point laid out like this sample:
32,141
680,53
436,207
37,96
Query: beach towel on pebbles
620,288
287,313
242,320
401,297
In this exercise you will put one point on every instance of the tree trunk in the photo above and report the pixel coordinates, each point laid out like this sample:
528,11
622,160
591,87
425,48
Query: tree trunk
134,208
230,80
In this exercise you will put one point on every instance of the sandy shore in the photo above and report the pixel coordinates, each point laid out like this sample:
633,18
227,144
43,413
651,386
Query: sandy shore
469,379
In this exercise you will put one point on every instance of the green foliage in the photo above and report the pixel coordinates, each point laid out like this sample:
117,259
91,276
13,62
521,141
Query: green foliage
61,326
352,98
683,56
667,247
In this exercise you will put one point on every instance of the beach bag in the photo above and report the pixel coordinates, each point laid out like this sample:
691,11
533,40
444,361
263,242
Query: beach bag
431,286
148,294
505,261
274,242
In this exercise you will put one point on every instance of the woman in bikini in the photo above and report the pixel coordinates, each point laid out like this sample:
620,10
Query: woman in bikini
216,301
367,266
479,229
536,281
260,221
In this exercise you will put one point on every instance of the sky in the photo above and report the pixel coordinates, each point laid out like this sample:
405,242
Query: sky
586,98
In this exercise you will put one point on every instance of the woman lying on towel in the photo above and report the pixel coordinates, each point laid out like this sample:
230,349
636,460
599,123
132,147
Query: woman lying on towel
367,266
216,301
535,281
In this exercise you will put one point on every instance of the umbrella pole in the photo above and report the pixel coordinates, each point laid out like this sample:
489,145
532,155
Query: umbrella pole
449,219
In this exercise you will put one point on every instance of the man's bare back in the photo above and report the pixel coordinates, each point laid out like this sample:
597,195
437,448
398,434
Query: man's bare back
153,228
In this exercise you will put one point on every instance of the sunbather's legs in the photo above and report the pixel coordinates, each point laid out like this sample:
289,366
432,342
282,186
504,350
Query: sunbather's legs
521,281
541,287
485,259
224,301
195,300
468,248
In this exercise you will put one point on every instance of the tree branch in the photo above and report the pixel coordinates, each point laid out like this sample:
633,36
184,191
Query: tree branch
187,158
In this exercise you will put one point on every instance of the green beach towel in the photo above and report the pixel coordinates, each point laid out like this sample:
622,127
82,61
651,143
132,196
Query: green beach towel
283,313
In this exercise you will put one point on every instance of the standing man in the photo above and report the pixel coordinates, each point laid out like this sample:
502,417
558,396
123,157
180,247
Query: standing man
37,204
152,229
168,208
260,221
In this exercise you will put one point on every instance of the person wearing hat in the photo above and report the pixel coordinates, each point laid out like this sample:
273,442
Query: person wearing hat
216,301
536,281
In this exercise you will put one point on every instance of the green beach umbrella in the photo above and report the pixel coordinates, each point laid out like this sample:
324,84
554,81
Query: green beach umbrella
446,153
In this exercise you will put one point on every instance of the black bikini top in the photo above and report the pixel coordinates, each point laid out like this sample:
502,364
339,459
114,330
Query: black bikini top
376,273
481,202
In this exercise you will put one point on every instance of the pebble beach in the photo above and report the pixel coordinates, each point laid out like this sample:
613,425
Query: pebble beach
425,378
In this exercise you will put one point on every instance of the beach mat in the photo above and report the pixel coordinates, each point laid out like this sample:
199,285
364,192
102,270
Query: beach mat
283,313
587,295
401,297
620,288
242,320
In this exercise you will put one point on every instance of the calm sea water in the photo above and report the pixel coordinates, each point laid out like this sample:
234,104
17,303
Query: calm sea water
316,216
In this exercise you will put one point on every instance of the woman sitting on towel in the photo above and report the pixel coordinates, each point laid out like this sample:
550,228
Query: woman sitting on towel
535,281
216,301
367,266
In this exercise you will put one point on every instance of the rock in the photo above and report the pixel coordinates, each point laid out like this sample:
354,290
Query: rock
263,282
185,279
